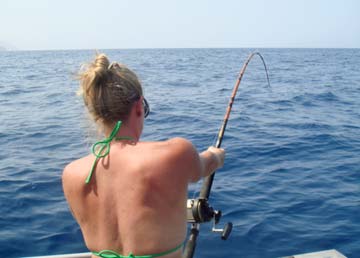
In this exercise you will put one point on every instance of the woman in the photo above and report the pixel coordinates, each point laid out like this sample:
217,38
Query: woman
129,197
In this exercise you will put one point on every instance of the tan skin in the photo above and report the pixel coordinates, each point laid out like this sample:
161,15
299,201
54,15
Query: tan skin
136,199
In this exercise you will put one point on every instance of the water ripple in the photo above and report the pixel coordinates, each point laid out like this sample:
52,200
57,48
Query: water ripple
290,183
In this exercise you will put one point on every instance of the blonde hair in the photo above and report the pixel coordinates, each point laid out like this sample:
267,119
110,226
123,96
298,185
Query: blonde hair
108,90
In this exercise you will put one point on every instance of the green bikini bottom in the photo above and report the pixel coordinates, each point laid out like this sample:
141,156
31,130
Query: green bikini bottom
112,254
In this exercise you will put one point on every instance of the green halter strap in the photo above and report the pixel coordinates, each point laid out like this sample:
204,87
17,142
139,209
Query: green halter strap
112,254
102,148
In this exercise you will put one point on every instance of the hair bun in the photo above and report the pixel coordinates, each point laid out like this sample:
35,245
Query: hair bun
106,103
101,65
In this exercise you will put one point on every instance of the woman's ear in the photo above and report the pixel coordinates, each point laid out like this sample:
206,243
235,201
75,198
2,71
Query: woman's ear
139,107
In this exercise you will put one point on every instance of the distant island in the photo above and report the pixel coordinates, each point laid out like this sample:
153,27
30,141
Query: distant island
2,48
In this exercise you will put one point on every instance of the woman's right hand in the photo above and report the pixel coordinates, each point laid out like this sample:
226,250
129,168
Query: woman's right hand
219,154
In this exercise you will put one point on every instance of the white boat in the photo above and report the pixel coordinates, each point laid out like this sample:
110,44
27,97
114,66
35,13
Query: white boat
322,254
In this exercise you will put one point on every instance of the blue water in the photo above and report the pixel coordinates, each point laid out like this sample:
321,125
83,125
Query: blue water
291,182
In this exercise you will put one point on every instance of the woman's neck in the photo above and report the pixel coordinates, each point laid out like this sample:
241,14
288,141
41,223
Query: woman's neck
124,131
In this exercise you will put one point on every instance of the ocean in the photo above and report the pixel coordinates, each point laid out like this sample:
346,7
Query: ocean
291,179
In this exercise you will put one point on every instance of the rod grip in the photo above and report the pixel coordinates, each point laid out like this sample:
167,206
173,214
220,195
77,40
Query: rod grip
191,244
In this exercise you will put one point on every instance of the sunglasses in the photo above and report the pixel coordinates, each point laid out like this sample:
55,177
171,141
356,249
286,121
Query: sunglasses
146,108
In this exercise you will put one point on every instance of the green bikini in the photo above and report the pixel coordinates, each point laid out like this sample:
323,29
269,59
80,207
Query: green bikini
101,149
112,254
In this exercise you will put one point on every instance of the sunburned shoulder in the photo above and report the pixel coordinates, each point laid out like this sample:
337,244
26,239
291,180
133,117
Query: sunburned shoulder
187,157
74,168
179,140
182,149
175,150
178,144
177,155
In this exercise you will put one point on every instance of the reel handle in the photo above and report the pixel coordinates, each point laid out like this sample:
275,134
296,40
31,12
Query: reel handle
226,231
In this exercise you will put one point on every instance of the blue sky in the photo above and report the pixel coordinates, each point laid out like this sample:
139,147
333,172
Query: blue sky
80,24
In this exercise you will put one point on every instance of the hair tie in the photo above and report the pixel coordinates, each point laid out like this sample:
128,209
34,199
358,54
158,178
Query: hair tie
114,64
111,65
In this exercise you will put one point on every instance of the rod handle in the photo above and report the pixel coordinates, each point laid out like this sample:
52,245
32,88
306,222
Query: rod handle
191,243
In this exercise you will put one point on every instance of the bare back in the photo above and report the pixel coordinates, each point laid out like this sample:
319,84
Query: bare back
136,199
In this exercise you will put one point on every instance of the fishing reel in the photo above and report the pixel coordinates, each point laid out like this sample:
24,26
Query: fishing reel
199,211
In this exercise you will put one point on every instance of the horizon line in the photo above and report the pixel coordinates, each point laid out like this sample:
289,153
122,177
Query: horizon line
155,48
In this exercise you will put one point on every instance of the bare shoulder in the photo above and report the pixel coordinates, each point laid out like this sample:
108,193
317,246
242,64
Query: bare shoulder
73,172
181,143
173,145
181,146
185,155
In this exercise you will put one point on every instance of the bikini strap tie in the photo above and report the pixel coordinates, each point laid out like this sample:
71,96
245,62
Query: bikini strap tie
102,148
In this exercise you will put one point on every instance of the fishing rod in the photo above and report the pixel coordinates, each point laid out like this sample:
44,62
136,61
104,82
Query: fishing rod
199,210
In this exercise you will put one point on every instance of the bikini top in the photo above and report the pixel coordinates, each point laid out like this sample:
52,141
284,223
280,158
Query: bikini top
102,148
